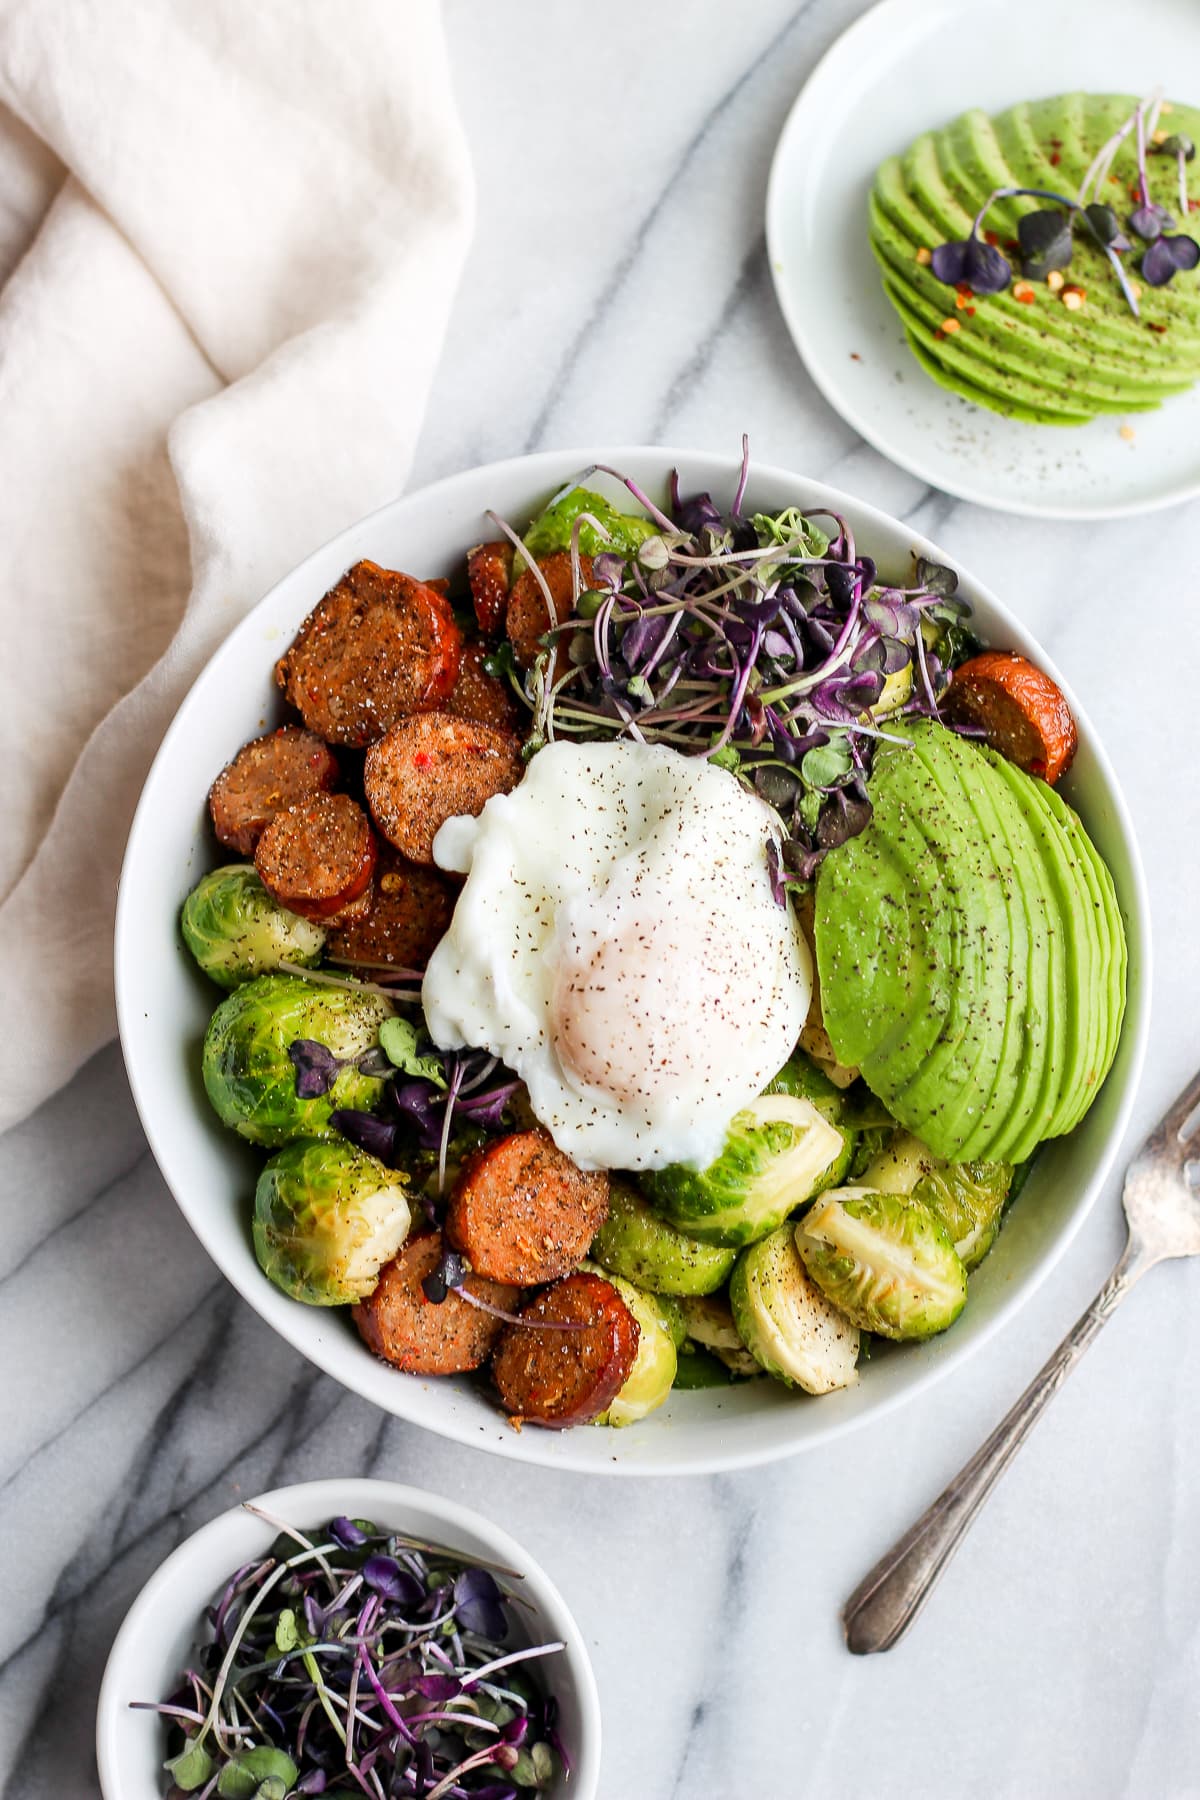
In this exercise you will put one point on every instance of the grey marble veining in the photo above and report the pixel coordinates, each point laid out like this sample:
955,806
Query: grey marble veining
618,291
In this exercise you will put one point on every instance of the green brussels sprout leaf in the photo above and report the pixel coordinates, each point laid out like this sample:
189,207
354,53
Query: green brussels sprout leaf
969,1199
235,930
885,1260
636,1243
326,1218
778,1153
786,1322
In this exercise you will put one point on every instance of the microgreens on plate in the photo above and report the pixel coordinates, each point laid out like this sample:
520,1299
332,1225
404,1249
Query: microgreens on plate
1046,236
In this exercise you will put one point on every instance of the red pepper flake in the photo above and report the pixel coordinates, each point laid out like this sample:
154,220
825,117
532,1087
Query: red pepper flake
1012,243
1024,292
991,237
1159,328
422,759
970,312
1055,159
965,291
940,336
1194,205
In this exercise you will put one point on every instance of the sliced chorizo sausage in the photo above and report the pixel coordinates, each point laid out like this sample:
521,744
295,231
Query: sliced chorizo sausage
489,576
266,775
571,1369
426,1337
409,911
429,769
522,1212
1021,711
528,616
480,696
317,857
379,646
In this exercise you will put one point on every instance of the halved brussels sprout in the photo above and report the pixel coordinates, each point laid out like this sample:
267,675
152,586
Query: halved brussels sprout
777,1153
653,1374
636,1243
885,1260
785,1321
250,1078
967,1197
802,1077
326,1219
235,930
709,1323
899,1165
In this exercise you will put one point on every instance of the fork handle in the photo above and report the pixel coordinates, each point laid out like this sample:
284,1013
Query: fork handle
884,1605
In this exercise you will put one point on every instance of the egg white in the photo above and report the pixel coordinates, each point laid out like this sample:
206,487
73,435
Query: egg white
618,945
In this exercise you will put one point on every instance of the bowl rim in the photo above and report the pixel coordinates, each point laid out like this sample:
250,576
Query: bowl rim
527,1447
360,1497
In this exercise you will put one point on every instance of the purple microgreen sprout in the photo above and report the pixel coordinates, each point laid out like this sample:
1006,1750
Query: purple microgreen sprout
1167,257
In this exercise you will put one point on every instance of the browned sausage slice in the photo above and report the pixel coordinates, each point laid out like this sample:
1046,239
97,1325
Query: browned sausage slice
317,857
266,775
429,769
398,1323
480,696
562,1377
379,646
408,912
528,616
1022,712
489,575
522,1212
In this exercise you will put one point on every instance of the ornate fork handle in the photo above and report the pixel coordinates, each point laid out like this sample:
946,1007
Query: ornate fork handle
884,1605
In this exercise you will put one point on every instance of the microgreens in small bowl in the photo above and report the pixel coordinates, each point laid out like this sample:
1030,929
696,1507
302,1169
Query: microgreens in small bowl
403,1646
1047,236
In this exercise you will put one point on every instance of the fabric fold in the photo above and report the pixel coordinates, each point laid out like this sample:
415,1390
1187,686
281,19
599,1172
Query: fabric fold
215,353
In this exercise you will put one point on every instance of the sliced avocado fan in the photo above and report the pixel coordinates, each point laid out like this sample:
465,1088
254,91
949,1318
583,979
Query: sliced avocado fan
971,951
1024,352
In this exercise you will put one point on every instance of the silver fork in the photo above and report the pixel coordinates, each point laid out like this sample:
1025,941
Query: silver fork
1162,1212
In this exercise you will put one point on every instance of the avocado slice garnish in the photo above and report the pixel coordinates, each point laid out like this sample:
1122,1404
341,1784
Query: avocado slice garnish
1039,361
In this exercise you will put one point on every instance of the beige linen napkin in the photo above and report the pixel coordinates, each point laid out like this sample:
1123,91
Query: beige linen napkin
230,236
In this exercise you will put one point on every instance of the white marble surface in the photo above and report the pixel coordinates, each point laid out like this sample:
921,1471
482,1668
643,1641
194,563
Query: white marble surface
618,290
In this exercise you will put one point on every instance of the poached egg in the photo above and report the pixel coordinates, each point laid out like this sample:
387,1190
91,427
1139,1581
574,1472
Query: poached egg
617,944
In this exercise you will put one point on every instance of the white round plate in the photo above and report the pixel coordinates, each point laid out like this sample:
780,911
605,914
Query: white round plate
164,1004
905,67
163,1623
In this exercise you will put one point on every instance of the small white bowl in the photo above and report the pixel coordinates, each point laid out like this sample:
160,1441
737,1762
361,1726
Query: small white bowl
164,1621
164,1003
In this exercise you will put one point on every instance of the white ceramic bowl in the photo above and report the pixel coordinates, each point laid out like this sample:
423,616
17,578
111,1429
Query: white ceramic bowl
164,1003
162,1624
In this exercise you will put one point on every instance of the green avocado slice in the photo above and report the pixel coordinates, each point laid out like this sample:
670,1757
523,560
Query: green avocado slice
1098,903
970,951
962,1097
1037,359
